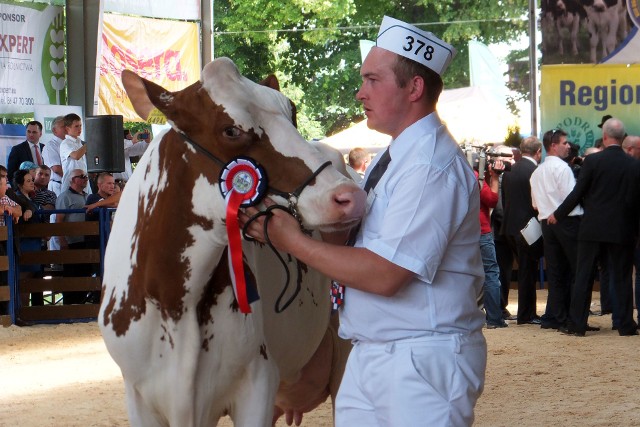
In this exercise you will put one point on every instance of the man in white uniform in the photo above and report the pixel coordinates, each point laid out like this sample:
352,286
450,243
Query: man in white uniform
51,154
415,272
51,157
72,150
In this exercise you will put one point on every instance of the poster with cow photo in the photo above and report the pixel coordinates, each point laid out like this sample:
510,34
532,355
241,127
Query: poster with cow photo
586,31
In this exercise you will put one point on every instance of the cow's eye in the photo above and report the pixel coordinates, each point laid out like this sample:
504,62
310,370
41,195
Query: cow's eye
232,132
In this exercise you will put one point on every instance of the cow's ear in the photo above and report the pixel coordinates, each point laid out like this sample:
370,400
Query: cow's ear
272,82
141,93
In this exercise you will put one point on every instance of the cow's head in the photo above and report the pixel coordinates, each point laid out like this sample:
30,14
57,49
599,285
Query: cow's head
229,116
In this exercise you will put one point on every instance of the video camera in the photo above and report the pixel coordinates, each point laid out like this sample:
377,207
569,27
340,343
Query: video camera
493,156
478,155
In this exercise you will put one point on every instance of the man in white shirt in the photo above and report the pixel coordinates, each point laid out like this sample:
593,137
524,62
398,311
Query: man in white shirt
51,154
72,150
415,272
551,182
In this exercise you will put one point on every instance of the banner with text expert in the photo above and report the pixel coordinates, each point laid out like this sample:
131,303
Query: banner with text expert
32,57
165,52
576,97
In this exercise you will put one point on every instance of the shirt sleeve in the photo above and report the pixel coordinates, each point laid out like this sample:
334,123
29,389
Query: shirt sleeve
51,158
488,197
65,149
426,208
137,149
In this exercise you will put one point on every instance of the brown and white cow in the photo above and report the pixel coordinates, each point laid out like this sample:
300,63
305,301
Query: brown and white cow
169,317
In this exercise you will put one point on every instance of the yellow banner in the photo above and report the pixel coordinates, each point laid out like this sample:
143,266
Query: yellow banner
165,52
576,97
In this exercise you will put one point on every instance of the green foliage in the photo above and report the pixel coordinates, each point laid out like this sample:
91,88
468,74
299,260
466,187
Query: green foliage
514,138
313,45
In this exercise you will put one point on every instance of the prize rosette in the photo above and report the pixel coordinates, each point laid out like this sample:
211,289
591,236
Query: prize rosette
243,183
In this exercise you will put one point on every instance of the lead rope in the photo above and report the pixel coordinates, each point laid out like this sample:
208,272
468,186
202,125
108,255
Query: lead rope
268,215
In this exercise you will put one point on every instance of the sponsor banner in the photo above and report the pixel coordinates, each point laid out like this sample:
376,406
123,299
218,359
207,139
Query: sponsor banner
165,52
187,9
576,97
32,57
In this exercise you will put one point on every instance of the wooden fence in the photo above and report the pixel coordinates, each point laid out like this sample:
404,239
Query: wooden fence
52,282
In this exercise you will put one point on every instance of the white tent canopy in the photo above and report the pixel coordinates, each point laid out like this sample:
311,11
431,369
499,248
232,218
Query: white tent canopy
472,114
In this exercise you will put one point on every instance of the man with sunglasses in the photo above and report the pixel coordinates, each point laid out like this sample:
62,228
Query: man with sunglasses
75,197
551,182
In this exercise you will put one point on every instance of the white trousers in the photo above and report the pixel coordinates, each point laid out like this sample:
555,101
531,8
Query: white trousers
432,381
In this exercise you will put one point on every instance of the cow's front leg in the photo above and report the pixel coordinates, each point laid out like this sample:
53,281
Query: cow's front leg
254,401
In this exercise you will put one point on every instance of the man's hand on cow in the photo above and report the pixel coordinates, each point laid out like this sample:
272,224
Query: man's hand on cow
282,226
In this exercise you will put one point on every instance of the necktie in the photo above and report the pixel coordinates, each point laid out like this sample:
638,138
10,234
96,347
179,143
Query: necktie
38,156
338,289
378,170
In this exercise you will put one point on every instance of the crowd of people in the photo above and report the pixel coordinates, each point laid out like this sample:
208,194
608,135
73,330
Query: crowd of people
54,175
581,216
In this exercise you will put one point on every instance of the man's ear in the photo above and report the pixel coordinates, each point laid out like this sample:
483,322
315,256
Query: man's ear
418,88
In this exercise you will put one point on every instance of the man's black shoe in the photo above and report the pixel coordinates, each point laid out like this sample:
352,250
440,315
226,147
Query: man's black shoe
628,333
534,321
565,330
497,326
550,325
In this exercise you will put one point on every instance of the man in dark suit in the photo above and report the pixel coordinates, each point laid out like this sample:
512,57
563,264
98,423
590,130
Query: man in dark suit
518,210
608,188
29,150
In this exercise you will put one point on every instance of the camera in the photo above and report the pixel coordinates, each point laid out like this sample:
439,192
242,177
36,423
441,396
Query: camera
143,135
497,155
506,165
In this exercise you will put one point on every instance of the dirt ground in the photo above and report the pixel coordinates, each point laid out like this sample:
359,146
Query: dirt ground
62,375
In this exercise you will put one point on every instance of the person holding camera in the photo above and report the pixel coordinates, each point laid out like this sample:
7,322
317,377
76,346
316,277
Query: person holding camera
491,287
134,146
551,183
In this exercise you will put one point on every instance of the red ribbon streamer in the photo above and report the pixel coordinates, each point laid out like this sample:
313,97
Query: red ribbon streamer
234,200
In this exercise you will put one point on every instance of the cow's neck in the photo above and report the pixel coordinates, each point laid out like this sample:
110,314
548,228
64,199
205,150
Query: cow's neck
180,227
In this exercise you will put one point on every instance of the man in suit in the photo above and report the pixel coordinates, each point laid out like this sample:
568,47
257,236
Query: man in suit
29,150
518,210
609,189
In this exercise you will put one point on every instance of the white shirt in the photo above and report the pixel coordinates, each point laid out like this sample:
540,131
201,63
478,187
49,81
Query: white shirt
422,216
551,183
67,146
130,150
51,156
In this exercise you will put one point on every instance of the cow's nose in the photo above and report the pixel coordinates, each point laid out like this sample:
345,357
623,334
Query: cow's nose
350,200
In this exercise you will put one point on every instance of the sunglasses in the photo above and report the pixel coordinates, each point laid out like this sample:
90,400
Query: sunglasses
81,177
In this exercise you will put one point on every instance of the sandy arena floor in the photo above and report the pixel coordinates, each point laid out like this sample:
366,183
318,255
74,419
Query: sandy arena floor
62,375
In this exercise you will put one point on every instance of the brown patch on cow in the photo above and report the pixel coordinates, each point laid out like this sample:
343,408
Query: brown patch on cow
219,280
263,351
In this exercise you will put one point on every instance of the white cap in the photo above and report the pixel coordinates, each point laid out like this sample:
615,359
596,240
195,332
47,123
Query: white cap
413,43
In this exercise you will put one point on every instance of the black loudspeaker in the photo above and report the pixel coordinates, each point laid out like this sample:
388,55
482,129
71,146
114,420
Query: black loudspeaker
105,143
